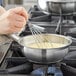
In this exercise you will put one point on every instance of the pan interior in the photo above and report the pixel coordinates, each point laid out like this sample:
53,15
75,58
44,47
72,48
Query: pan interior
51,38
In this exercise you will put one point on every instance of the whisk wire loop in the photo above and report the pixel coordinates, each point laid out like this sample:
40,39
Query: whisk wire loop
38,36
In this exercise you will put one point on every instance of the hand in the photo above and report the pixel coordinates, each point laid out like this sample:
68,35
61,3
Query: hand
13,20
2,10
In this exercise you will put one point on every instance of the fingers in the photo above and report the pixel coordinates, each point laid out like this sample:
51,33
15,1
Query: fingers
16,24
17,21
21,11
14,30
13,20
17,17
19,24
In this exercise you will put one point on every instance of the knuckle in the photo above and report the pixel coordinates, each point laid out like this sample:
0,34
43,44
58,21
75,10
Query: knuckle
22,8
23,19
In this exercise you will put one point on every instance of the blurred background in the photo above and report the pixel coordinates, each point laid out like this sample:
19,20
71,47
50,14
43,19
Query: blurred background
13,3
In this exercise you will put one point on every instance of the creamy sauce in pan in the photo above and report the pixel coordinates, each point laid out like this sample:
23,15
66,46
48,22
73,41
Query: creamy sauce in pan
46,45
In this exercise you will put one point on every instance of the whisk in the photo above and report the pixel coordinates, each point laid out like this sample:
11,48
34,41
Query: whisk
37,34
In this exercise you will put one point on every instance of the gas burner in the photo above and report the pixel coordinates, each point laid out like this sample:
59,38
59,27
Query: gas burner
18,64
68,22
51,70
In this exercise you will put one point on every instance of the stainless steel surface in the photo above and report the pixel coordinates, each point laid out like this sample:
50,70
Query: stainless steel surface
48,6
3,51
15,75
15,37
5,43
36,27
46,56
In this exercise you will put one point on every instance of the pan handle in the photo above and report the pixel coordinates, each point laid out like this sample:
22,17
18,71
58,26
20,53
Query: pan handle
71,38
15,37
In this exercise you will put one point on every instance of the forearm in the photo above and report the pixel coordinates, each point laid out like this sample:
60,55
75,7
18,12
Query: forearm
3,39
2,10
13,20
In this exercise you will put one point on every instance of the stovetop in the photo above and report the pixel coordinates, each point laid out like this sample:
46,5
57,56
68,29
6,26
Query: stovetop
15,63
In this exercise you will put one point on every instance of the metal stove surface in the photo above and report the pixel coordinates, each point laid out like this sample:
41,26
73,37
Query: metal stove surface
50,21
16,64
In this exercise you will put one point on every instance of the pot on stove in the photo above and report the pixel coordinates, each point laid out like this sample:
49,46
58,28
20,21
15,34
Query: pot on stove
55,6
44,56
